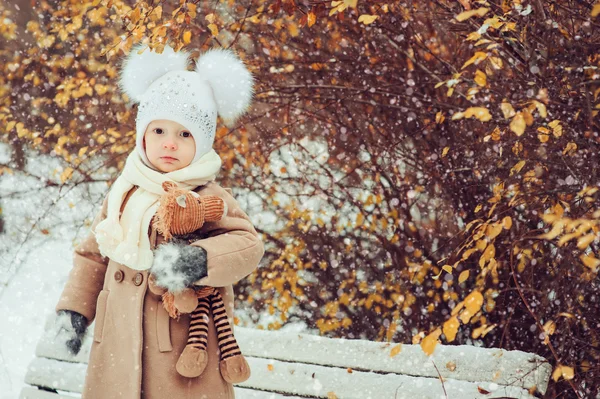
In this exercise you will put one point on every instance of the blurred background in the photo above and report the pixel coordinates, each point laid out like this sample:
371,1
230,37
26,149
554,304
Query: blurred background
402,161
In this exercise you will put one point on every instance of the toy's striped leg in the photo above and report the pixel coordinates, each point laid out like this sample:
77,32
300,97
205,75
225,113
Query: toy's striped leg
194,357
233,365
227,343
198,332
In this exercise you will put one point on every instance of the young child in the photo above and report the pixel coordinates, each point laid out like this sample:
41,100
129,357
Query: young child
136,344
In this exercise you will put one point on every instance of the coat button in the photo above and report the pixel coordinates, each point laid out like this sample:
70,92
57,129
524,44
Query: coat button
119,276
138,278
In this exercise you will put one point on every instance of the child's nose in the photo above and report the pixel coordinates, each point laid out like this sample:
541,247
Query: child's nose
169,145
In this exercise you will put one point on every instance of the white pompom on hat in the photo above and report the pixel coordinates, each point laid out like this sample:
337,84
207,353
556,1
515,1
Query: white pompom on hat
219,84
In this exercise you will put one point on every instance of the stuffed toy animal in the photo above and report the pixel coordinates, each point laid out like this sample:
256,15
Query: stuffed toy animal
180,213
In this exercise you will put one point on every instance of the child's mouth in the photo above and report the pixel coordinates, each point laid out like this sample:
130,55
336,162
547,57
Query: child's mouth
168,159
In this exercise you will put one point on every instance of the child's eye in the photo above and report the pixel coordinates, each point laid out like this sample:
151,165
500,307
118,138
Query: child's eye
186,134
158,130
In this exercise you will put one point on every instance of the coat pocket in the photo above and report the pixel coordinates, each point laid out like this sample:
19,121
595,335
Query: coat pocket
163,328
100,315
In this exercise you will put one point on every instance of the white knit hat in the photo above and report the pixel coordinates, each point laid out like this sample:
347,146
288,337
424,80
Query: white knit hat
165,89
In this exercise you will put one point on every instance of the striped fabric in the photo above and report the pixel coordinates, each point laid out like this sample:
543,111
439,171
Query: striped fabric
198,332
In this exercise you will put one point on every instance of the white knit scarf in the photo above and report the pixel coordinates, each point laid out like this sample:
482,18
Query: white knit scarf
125,239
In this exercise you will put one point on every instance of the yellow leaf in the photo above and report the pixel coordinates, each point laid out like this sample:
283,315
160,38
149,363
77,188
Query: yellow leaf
10,126
480,42
494,22
331,395
213,29
517,124
158,12
82,151
395,350
191,9
480,78
474,36
464,275
458,115
359,219
543,137
507,222
550,327
496,62
311,19
492,231
568,372
447,268
367,19
541,107
507,110
478,57
586,240
480,113
556,128
187,37
429,343
557,228
488,253
563,371
595,10
590,261
210,18
451,328
570,149
480,12
66,174
473,302
350,3
100,89
481,244
517,168
481,331
568,237
270,367
439,117
445,151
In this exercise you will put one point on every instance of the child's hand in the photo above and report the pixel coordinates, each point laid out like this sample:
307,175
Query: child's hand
177,265
71,327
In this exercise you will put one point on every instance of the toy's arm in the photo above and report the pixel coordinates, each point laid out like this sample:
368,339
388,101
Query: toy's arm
86,278
233,246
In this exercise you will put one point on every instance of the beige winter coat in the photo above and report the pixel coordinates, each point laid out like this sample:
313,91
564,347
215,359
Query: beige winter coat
136,344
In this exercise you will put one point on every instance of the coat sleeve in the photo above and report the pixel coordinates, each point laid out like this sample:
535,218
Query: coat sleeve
234,248
86,278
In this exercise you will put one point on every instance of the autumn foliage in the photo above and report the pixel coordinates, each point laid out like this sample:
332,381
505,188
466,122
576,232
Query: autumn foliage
432,165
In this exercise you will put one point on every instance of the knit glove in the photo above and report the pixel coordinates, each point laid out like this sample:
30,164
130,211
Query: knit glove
70,328
177,265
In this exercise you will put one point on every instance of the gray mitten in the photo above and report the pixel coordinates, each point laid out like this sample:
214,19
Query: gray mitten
177,265
71,327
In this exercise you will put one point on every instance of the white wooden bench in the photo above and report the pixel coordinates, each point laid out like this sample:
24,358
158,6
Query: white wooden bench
293,365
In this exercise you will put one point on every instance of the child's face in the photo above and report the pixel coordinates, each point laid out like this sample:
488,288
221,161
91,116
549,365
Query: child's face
169,146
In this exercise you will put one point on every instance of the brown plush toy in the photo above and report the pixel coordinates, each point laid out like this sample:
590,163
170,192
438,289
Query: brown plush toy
181,212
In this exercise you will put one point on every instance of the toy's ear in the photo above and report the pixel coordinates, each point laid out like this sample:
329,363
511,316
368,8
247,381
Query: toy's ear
181,201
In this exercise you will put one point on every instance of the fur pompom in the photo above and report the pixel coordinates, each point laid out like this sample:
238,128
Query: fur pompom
231,81
138,71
